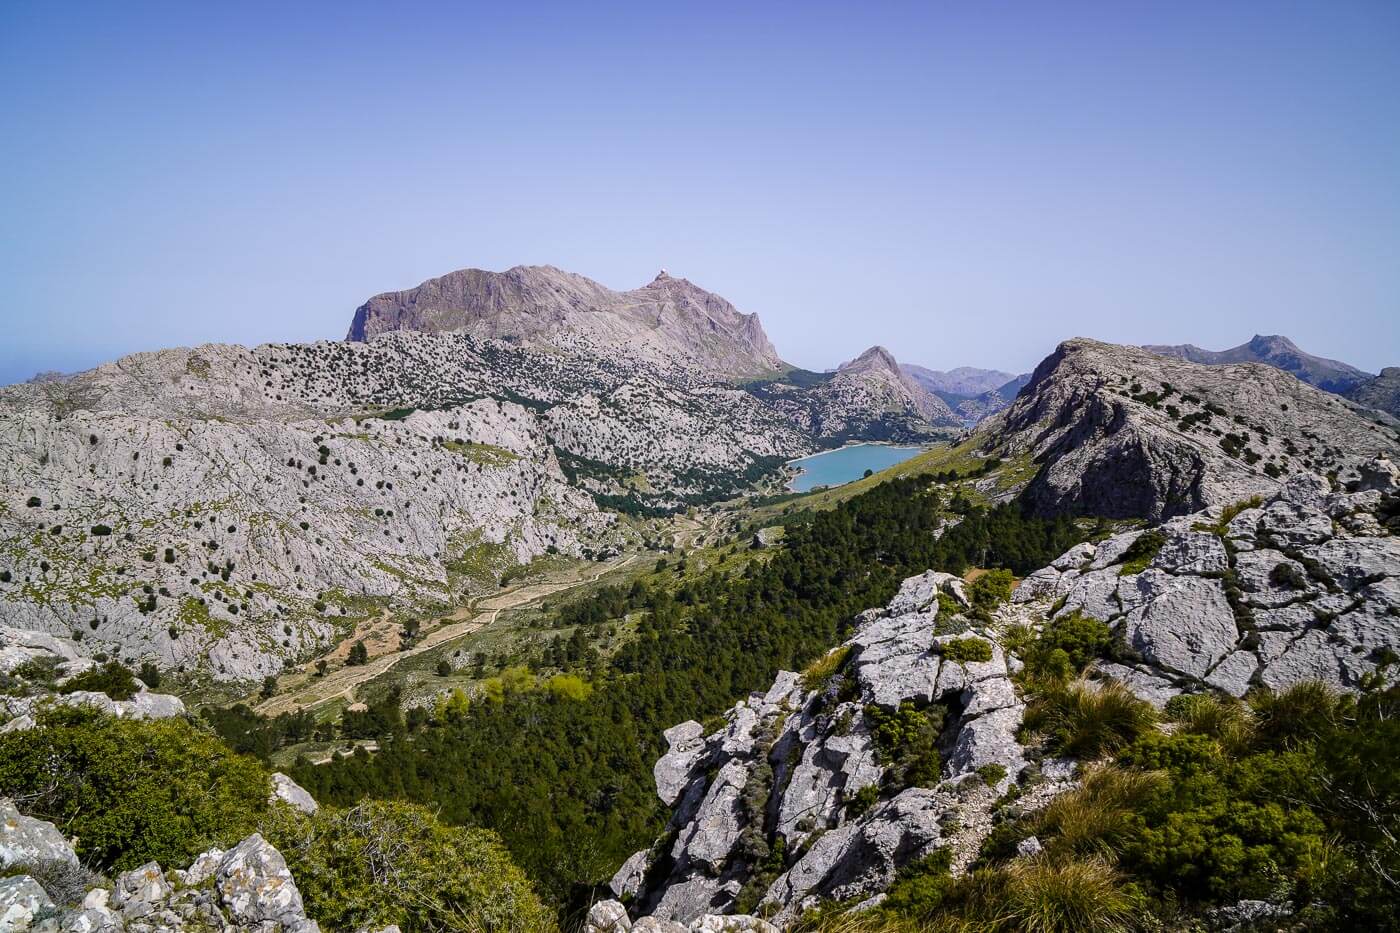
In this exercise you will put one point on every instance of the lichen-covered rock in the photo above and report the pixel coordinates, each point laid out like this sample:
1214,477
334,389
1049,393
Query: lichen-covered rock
25,841
21,898
255,886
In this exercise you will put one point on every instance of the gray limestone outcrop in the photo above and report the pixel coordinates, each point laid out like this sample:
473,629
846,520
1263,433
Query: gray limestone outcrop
1121,432
800,768
1301,584
247,888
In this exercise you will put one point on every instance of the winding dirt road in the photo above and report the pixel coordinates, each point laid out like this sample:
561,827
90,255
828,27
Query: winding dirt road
477,614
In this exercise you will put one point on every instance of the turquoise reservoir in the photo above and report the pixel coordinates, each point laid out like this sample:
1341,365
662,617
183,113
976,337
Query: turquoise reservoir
835,467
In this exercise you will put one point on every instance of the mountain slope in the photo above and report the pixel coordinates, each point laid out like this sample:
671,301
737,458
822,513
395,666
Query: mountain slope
962,380
1381,393
223,508
1280,353
1123,432
667,319
867,398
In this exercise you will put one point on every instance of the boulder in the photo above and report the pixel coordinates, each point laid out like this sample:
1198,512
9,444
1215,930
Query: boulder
675,769
627,881
27,841
21,898
1151,687
291,793
1186,624
607,917
255,886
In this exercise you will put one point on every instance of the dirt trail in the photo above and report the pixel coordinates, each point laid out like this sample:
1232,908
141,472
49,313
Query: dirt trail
477,614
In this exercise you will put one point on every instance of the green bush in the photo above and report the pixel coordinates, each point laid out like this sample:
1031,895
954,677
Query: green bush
132,791
1089,720
1066,646
964,650
111,678
1141,552
906,740
381,862
990,590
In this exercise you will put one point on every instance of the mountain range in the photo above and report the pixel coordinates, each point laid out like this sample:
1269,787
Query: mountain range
1279,352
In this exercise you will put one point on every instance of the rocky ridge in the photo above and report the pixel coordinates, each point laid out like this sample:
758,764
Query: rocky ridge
794,798
1381,393
793,802
246,888
223,508
1280,353
668,320
1121,432
867,398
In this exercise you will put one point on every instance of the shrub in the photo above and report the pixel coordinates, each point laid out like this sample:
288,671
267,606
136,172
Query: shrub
964,650
990,590
111,678
1089,720
1287,576
1141,552
1067,645
906,740
101,531
381,862
149,674
133,791
920,887
992,774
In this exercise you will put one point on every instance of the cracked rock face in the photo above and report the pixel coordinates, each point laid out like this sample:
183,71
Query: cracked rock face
1315,570
789,763
1125,433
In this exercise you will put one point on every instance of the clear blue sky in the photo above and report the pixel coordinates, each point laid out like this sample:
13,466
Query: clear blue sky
965,183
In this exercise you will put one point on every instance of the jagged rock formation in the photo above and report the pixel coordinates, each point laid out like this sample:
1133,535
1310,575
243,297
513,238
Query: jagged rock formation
795,799
867,398
1303,585
1381,393
670,319
246,888
1125,433
1280,353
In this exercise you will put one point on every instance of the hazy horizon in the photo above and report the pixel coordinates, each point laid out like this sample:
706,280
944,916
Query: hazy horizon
960,187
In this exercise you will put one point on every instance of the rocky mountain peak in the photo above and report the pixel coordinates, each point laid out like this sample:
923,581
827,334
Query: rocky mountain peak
1279,352
667,320
1124,432
877,357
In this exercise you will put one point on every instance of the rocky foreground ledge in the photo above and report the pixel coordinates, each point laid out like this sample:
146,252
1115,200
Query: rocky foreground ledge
245,888
793,801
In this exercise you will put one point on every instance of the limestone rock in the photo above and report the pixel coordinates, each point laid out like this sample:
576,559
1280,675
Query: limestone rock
21,898
292,794
27,841
674,770
255,886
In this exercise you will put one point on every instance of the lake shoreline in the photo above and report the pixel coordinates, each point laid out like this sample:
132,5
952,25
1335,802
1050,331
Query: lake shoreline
856,471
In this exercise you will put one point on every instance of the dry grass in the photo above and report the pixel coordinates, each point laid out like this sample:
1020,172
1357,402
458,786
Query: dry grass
1089,720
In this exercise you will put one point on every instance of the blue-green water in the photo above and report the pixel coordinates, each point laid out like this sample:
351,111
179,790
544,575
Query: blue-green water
835,467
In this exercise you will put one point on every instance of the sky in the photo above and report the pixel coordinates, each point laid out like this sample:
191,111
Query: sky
966,184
